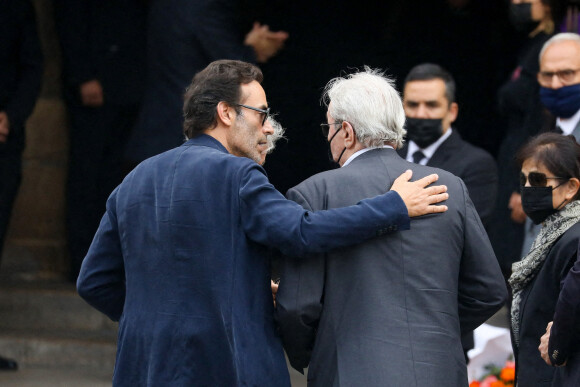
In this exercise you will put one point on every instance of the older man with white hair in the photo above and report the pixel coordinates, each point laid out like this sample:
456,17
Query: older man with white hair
388,312
559,79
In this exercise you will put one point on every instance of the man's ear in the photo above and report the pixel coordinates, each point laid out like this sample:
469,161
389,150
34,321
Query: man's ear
349,135
225,114
453,111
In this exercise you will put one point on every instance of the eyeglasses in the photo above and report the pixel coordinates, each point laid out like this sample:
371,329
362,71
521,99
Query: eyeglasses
565,76
326,128
265,112
537,179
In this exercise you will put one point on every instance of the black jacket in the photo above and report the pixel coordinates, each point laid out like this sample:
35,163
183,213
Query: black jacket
20,65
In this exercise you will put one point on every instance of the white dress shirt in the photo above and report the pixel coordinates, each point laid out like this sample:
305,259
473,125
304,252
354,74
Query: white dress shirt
360,152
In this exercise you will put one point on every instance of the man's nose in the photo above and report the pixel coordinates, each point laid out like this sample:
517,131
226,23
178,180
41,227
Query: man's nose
422,112
268,129
555,82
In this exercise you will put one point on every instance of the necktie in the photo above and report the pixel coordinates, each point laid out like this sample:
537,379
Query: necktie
418,156
558,130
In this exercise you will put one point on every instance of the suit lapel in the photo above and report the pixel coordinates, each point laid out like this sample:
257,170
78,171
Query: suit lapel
445,151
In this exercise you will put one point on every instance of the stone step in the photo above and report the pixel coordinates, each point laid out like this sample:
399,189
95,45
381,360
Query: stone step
50,306
60,349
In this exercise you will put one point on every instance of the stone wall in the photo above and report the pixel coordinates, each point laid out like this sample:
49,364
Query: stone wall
36,246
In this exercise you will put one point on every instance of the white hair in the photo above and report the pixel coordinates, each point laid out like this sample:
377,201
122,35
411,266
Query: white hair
562,37
369,101
278,134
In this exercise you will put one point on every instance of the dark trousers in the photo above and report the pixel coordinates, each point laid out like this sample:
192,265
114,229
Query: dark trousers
98,137
10,177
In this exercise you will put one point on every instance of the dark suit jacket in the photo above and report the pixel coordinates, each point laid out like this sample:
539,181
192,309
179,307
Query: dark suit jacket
474,166
20,66
179,259
389,312
103,40
184,36
538,304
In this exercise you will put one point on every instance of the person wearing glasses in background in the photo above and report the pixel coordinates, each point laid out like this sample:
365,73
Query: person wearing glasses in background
550,184
559,81
181,256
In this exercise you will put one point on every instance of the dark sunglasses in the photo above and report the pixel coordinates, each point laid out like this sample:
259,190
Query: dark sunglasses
265,112
326,128
537,179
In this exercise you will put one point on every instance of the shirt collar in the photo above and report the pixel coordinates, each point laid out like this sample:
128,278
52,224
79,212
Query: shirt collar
568,124
360,152
430,150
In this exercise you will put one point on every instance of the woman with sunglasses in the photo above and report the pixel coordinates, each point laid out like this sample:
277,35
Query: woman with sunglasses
550,188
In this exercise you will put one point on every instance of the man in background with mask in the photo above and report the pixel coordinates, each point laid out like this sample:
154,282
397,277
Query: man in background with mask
430,107
559,79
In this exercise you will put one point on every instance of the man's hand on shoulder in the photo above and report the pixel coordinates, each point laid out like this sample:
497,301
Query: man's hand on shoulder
419,199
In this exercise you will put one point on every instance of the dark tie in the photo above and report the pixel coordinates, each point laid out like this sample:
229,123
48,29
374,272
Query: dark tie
558,130
418,156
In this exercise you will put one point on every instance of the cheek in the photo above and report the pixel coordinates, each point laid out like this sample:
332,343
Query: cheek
538,11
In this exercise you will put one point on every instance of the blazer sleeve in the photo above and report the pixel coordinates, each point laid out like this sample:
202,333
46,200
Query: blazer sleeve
269,218
101,281
565,328
219,32
299,301
482,290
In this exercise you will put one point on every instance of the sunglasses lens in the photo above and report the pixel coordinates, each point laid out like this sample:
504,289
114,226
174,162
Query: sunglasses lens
537,179
523,179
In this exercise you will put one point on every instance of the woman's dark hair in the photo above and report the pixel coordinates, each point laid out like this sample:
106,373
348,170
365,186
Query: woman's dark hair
559,154
219,81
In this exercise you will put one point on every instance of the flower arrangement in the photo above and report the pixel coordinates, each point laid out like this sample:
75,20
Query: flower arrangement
497,376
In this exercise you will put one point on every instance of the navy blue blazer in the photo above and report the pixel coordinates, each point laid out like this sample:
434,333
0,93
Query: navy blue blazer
180,259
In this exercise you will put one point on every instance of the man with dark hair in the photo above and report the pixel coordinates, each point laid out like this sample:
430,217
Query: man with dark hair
430,107
20,80
181,258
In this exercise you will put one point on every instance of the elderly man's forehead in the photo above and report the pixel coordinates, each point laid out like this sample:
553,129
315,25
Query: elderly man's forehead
564,54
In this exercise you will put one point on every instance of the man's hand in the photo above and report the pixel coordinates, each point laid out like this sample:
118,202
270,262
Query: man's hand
265,43
4,127
544,341
518,215
274,286
418,199
91,93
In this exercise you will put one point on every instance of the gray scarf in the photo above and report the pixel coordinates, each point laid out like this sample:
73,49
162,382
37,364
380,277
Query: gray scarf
524,271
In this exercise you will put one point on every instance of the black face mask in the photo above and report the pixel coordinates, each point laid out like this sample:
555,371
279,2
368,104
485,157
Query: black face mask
537,203
330,157
521,17
424,131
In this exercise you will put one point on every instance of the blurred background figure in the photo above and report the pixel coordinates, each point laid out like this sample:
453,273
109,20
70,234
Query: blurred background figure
20,80
550,188
522,116
103,72
183,37
430,107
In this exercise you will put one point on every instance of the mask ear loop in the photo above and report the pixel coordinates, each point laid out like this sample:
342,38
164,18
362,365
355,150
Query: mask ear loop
559,207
